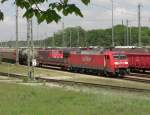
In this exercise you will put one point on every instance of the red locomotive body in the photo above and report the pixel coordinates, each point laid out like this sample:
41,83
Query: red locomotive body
108,63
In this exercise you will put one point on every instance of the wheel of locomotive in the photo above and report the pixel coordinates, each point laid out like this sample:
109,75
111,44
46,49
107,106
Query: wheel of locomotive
71,69
74,69
81,70
131,70
120,74
128,71
106,74
64,68
99,73
40,65
117,75
143,71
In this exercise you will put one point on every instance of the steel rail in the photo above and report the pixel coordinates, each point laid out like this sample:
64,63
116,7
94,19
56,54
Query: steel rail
142,75
137,79
77,83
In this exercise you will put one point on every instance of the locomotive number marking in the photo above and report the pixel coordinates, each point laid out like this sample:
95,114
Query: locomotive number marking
86,59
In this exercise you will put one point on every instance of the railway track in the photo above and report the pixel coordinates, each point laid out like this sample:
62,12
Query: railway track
137,79
76,83
143,75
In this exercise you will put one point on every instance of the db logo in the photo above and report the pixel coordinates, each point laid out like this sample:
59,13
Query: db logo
86,59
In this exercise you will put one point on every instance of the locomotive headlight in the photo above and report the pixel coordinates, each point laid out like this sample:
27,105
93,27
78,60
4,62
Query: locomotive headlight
116,63
126,63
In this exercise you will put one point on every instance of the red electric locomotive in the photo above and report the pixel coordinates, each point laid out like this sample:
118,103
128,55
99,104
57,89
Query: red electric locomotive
108,63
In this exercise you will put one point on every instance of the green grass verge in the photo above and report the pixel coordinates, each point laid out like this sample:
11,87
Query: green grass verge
39,100
19,69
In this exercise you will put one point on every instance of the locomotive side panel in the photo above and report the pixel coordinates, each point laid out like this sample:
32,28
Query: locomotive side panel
86,61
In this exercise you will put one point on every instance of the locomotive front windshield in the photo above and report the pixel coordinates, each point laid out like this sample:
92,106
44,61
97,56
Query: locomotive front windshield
119,56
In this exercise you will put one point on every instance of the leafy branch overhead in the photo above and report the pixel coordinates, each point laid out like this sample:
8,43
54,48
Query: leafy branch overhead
52,13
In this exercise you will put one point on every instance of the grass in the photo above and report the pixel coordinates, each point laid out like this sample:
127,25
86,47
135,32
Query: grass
19,69
118,82
40,100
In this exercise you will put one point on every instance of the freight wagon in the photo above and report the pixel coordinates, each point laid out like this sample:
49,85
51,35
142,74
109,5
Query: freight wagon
139,61
52,57
139,58
8,55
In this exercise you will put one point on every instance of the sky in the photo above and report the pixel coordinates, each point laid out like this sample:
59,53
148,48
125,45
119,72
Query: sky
97,15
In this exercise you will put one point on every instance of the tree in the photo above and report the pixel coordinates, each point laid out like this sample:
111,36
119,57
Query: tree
52,13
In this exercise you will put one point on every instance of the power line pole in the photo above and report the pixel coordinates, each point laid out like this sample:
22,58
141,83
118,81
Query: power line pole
124,32
149,21
32,50
17,49
53,40
139,25
78,42
85,35
63,37
38,42
113,43
29,50
70,38
127,37
130,41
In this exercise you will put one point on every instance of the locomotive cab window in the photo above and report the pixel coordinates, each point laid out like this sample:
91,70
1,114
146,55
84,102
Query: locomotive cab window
119,56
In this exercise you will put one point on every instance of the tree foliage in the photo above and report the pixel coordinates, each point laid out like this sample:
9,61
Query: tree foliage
51,13
78,37
99,37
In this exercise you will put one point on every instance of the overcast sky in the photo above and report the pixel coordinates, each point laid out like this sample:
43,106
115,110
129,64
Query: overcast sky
96,15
